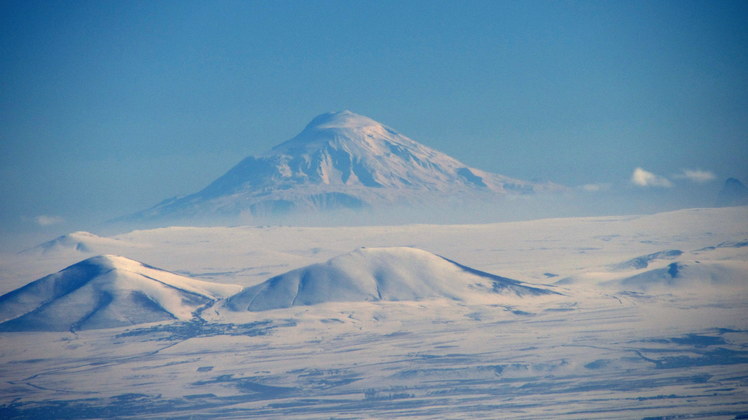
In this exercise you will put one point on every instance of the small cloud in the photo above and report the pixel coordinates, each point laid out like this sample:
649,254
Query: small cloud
595,187
696,175
645,178
44,220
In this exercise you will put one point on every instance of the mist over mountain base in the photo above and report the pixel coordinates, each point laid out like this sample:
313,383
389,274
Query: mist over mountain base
430,208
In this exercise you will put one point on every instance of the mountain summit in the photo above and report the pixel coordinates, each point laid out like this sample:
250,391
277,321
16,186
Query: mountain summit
340,160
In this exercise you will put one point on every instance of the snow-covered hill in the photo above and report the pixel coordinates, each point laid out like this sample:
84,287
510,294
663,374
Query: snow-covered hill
716,269
106,291
341,160
379,274
695,275
631,337
80,242
644,261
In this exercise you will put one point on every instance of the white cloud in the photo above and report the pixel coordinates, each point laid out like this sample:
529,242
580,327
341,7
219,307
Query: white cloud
595,187
696,175
45,220
645,178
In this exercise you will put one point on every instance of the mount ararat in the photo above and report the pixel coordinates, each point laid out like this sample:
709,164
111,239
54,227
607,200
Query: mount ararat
341,160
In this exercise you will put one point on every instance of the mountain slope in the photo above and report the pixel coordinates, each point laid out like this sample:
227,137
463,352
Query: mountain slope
105,291
376,274
733,193
340,160
644,261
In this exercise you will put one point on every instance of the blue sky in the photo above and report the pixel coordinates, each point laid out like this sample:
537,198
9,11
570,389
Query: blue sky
109,107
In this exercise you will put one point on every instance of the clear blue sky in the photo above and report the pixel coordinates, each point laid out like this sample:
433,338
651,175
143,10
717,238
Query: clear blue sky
107,107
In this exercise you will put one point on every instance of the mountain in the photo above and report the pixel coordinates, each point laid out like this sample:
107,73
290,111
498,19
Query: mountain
703,277
379,274
103,292
82,242
643,261
341,160
733,193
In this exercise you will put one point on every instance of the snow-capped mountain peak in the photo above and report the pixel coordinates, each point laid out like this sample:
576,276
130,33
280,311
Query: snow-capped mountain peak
345,131
340,160
342,119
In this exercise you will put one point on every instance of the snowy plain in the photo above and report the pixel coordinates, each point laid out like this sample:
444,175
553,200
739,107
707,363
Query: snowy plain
650,319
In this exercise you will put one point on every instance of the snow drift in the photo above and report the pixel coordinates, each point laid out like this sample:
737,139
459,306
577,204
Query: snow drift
106,291
378,274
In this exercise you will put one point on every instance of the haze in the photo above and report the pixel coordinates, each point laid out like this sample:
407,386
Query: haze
108,108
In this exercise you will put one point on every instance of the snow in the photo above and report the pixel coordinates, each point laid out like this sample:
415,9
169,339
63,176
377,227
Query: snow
343,119
644,261
706,277
374,274
104,292
670,342
341,160
81,242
